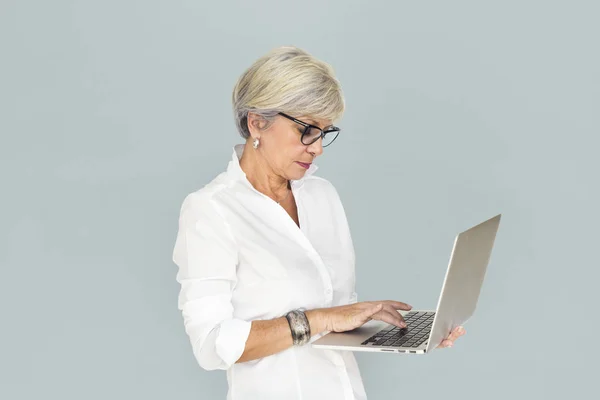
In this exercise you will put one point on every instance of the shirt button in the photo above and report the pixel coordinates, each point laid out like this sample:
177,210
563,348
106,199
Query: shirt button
328,291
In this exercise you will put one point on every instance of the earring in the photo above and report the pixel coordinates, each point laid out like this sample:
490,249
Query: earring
255,143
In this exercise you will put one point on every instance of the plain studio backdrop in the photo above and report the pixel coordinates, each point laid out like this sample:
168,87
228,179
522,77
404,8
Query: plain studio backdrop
113,111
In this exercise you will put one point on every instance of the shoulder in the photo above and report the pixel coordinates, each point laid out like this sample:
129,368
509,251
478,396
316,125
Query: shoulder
203,202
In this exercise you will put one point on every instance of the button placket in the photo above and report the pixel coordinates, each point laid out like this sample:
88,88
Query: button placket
313,254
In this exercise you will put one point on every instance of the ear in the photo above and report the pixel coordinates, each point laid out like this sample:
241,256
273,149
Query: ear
256,124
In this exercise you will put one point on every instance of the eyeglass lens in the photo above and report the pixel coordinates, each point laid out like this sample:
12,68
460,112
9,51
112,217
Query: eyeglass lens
313,134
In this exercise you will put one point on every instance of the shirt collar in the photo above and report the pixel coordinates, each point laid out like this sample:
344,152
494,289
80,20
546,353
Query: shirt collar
235,171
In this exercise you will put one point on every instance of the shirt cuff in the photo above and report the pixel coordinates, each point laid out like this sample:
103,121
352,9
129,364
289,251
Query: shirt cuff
231,341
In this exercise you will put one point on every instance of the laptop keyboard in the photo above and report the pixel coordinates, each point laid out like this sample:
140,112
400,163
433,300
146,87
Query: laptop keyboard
415,334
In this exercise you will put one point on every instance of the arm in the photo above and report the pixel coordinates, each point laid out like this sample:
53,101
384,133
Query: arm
206,255
272,336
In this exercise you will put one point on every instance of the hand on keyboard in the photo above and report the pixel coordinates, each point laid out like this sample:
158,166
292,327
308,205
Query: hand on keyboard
351,316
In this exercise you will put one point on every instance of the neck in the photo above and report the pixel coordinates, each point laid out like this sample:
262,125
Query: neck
260,174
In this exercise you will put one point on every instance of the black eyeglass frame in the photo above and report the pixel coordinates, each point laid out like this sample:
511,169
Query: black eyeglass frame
307,126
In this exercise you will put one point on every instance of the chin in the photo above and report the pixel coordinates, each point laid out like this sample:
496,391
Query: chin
294,176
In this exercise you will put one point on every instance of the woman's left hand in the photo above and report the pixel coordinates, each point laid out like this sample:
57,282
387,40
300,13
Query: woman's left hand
455,334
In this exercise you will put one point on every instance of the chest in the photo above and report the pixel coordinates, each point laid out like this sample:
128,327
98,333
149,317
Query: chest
289,256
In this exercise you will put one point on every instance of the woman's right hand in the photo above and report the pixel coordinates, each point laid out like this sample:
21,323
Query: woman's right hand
351,316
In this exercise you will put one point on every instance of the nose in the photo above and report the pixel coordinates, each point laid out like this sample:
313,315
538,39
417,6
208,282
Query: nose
316,148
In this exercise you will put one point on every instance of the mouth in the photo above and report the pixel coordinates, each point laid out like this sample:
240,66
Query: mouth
303,165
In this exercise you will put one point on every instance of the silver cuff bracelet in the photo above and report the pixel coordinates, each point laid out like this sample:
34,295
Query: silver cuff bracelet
299,327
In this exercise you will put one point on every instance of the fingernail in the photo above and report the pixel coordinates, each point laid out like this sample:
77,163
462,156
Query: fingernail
402,324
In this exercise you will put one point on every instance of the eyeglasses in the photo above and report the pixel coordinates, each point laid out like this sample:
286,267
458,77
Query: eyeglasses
313,133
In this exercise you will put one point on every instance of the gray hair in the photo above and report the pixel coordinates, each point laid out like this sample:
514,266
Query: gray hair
288,80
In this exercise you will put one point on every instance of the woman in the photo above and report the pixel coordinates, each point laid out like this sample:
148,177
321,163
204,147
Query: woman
265,256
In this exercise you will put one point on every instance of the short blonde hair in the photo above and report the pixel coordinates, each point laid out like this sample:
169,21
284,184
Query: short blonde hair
288,80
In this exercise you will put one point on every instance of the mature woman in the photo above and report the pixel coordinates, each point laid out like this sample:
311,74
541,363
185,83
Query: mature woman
265,256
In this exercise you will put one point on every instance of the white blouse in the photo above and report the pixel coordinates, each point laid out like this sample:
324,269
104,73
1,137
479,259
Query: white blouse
242,258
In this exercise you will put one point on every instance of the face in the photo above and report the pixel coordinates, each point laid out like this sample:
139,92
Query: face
282,149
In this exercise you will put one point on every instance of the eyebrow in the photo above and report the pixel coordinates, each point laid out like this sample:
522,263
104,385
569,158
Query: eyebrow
313,122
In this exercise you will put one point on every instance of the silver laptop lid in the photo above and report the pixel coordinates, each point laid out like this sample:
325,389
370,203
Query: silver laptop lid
464,277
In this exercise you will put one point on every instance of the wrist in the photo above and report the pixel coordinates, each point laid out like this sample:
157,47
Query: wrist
299,326
317,319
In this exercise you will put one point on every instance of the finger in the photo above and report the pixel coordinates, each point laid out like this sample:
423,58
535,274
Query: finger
398,305
390,318
456,333
400,322
445,343
452,337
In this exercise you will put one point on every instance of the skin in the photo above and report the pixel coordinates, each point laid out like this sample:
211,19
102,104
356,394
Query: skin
274,162
269,168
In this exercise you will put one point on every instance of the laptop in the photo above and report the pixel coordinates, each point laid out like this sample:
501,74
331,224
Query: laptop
426,329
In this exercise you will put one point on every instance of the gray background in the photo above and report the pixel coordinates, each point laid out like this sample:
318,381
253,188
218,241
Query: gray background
112,111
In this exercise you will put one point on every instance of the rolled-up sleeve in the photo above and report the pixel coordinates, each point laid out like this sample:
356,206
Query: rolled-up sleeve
206,255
